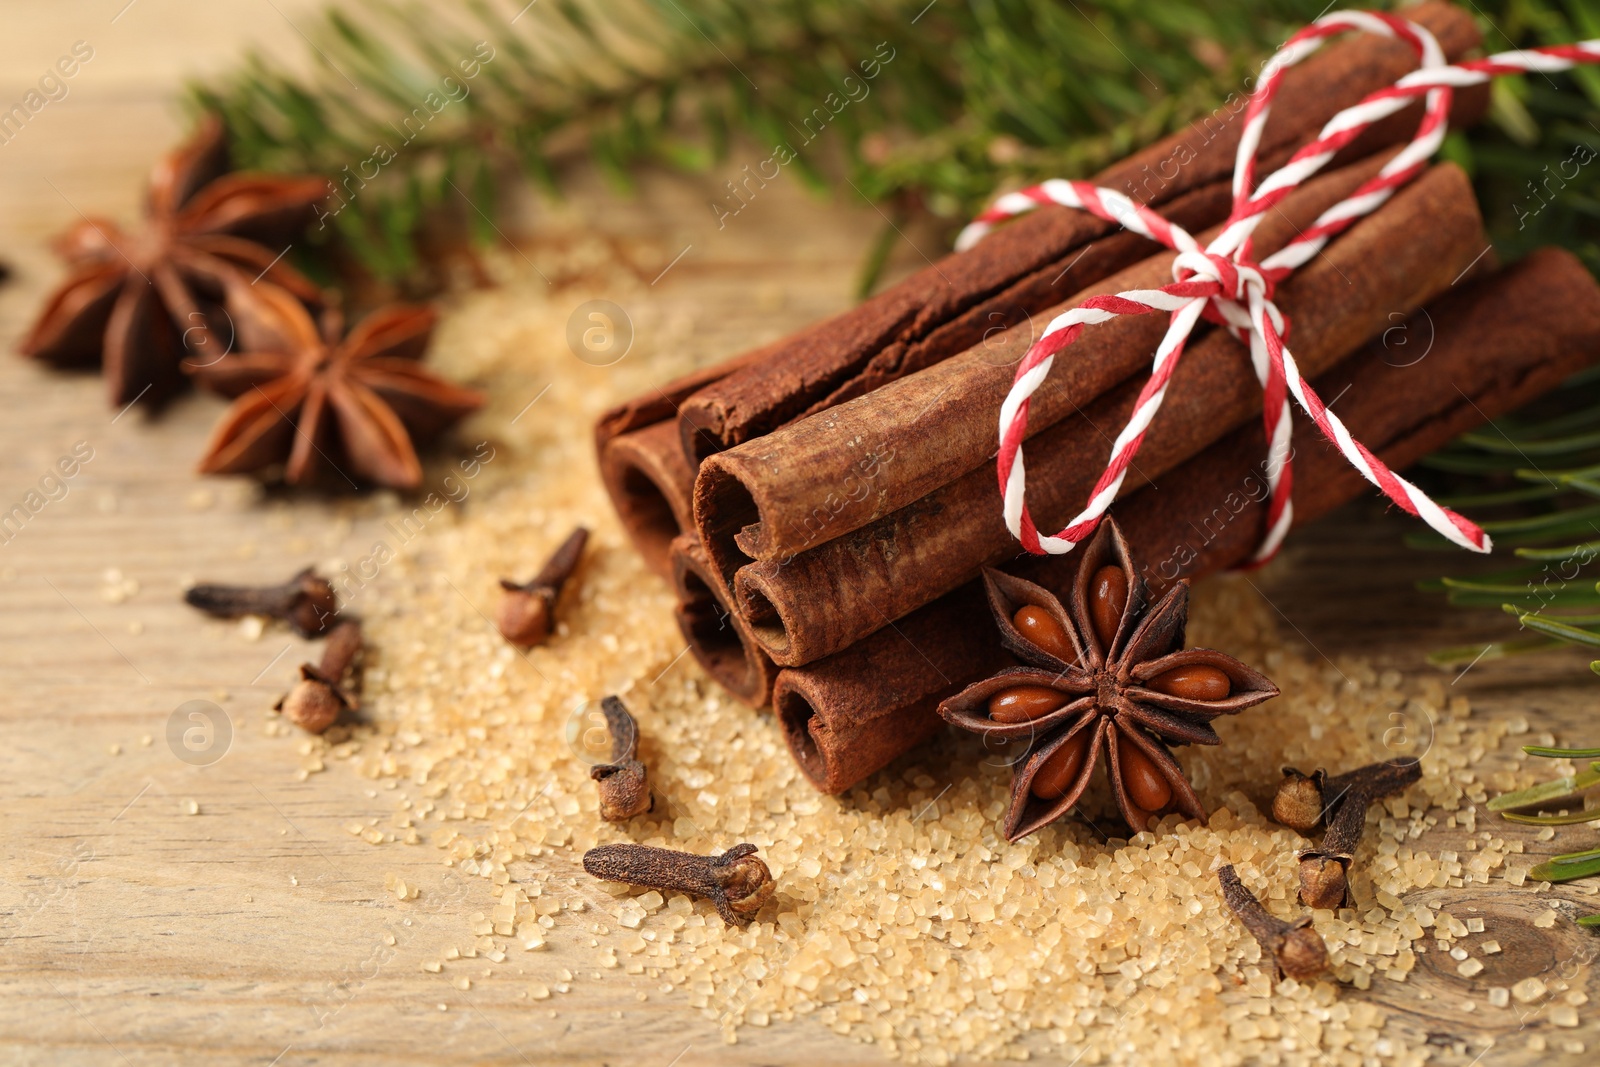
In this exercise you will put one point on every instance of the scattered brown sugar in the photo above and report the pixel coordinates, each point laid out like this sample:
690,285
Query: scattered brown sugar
902,918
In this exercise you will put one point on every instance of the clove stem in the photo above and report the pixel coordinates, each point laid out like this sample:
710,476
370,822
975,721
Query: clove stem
1324,871
306,601
737,881
1296,949
1307,801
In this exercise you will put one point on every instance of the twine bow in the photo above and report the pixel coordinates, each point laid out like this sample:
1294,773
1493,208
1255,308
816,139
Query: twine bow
1222,283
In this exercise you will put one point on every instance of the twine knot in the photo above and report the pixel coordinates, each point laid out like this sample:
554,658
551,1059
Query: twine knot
1222,283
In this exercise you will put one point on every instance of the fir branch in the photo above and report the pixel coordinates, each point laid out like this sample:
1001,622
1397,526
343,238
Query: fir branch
1553,593
977,95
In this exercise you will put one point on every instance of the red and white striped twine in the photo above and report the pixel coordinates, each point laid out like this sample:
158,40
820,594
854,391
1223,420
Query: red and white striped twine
1222,284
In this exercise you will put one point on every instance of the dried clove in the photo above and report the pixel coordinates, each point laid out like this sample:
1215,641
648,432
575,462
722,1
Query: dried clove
527,610
1299,804
1296,949
1325,871
736,881
624,787
320,695
306,602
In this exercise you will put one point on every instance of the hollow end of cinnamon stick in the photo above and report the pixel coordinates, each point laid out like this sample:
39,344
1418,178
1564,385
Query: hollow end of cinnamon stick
796,714
723,508
847,717
766,622
650,484
837,751
718,639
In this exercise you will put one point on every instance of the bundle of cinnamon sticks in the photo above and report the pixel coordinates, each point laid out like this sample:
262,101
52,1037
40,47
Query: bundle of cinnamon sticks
824,504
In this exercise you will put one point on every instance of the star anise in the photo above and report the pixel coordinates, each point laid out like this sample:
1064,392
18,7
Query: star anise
139,303
326,404
1109,679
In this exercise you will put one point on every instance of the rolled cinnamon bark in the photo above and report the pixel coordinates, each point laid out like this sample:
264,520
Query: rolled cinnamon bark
649,472
642,463
821,477
662,401
650,483
824,600
1186,174
1496,344
843,722
938,310
719,639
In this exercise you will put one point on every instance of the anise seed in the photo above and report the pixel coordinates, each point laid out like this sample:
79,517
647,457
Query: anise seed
1193,682
1141,819
1038,626
1060,770
1108,599
1024,703
1144,782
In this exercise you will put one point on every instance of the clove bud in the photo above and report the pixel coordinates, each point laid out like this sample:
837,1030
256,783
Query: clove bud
1299,803
1325,870
624,787
318,698
737,881
306,602
527,610
1296,949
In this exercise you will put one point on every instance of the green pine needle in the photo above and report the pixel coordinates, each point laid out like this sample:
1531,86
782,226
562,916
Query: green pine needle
1464,655
1547,792
1569,867
931,106
1569,819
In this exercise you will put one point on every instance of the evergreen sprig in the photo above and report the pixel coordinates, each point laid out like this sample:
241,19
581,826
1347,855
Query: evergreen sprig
1540,470
969,96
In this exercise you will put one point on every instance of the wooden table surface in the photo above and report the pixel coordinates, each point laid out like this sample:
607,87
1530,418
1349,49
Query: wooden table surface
257,930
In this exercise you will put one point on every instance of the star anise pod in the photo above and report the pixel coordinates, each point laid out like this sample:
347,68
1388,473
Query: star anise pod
1109,679
139,303
329,405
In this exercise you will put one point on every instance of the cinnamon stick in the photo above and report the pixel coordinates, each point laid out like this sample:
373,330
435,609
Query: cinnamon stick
649,469
1496,344
907,327
1035,264
643,466
823,600
662,401
850,715
821,477
650,481
719,639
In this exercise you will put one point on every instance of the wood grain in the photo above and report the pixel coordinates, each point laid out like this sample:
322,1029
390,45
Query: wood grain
257,930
